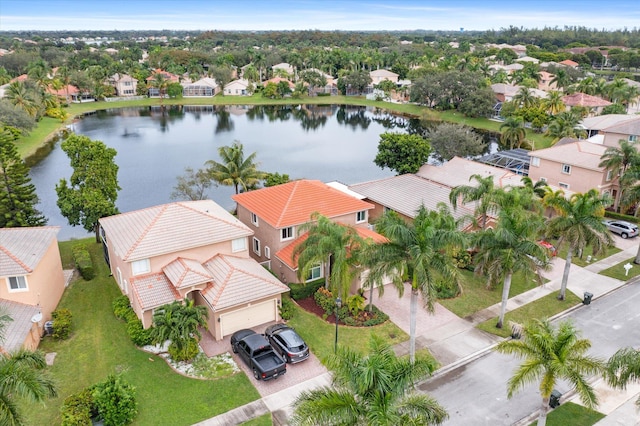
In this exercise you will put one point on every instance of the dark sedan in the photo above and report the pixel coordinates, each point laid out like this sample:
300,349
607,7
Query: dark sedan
287,343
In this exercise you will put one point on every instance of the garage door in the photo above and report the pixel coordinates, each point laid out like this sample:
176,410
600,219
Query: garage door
248,317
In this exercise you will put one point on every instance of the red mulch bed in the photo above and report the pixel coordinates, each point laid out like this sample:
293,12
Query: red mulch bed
309,304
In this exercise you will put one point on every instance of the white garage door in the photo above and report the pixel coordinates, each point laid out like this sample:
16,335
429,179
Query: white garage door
248,317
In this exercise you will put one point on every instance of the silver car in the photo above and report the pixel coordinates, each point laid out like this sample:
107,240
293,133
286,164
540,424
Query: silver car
622,228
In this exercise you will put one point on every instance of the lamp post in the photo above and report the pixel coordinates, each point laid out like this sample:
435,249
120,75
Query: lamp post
338,305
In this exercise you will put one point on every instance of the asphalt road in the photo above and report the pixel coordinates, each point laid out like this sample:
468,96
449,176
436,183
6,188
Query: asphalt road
476,394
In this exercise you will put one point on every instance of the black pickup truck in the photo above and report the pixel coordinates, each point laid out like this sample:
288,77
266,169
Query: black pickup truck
258,354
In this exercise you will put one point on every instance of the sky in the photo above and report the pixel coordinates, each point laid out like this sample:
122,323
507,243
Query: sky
315,14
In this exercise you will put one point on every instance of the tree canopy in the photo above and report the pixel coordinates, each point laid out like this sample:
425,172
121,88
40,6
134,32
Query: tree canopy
402,153
449,140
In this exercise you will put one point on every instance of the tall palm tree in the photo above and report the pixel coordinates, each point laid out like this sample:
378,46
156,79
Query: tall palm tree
482,192
511,247
235,170
624,367
19,95
420,252
524,98
22,376
622,161
549,355
333,245
372,389
563,125
514,132
540,188
179,322
578,223
553,102
561,79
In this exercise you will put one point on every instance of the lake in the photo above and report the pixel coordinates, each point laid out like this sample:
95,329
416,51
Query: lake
155,144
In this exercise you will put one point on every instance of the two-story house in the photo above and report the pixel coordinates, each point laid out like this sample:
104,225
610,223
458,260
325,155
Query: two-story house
628,130
124,84
379,76
275,215
31,282
195,250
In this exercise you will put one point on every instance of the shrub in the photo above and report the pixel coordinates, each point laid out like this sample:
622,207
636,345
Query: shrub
303,290
83,262
621,216
355,304
137,333
115,400
188,352
61,323
121,306
446,290
78,409
366,318
462,258
324,298
287,309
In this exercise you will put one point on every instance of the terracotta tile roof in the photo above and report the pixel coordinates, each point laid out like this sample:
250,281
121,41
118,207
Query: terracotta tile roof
277,80
293,203
68,90
186,273
569,63
153,290
286,253
17,330
582,99
170,228
239,280
582,154
21,249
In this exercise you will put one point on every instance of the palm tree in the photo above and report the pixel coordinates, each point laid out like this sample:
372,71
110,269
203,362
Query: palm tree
624,367
563,125
549,355
179,322
578,224
561,79
621,161
235,170
22,375
483,193
553,102
514,132
540,189
372,389
333,245
421,252
19,95
524,99
511,246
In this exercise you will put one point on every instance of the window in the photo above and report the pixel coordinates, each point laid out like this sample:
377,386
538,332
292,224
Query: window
18,283
140,267
563,185
239,244
609,174
535,161
315,273
566,169
286,233
254,219
633,138
256,246
361,216
267,252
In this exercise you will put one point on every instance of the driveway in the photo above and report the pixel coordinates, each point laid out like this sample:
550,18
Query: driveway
296,373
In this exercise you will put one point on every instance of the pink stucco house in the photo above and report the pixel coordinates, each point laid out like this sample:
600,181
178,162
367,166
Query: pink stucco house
195,250
31,282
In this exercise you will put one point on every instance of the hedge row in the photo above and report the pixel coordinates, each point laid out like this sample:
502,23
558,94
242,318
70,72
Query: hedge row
137,333
82,258
61,323
621,216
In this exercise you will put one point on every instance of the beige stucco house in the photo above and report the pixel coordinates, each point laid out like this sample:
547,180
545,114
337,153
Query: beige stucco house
628,130
594,104
275,215
31,282
195,250
202,88
124,84
379,76
237,88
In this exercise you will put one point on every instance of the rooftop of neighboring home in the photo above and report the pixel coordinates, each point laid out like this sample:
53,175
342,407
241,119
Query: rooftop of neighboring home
569,63
528,59
21,249
121,77
205,81
293,203
458,171
240,81
581,153
506,89
627,127
65,91
169,228
384,73
582,99
22,317
602,122
406,193
277,80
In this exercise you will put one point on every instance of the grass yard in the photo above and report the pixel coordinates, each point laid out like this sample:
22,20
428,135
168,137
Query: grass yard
582,262
320,335
100,345
542,308
264,420
475,295
570,414
618,271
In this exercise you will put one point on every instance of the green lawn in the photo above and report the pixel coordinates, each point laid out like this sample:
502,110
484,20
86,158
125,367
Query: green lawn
100,346
582,262
475,295
264,420
618,271
570,414
542,308
320,335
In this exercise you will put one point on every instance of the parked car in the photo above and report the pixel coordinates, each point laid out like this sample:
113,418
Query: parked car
553,251
287,343
622,228
257,353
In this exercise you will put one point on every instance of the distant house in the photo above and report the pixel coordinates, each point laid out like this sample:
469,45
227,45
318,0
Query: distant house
277,80
379,76
283,66
194,250
202,88
628,130
594,104
598,124
504,92
169,77
275,215
32,282
237,88
124,84
545,81
569,63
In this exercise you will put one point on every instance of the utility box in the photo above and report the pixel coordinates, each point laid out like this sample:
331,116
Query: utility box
48,328
554,399
587,298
